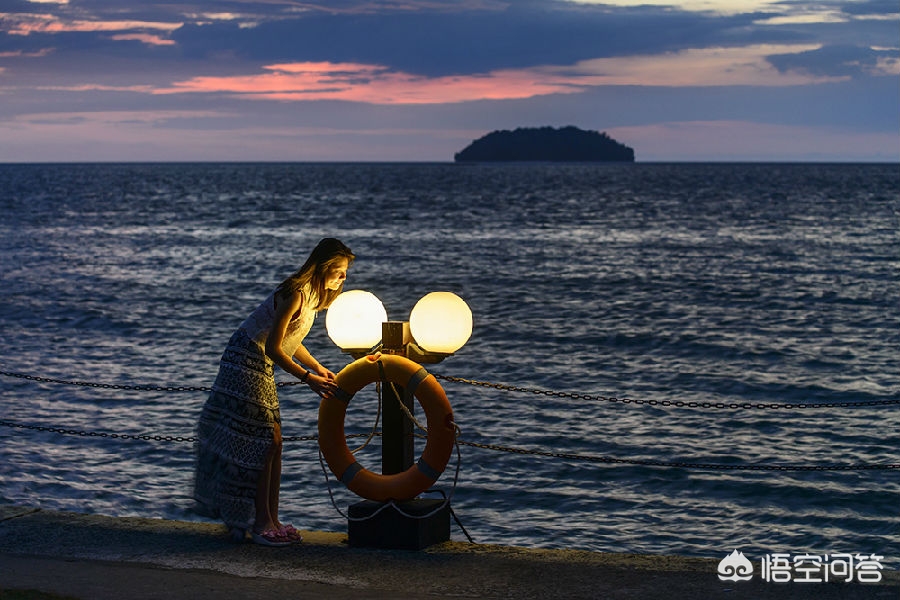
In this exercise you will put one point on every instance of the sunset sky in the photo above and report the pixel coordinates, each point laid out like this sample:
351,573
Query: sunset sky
416,80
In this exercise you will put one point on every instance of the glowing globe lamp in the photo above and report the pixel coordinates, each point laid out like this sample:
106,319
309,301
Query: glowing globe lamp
441,322
354,320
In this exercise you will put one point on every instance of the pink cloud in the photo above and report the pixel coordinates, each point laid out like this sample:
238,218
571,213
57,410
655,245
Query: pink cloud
26,24
147,38
97,87
372,83
21,54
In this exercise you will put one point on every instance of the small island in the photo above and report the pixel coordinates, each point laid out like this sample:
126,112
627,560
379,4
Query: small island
546,144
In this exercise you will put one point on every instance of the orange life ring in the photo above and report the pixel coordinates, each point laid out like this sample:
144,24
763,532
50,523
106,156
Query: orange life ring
441,429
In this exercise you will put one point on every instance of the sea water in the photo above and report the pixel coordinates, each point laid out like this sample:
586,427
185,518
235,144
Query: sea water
665,284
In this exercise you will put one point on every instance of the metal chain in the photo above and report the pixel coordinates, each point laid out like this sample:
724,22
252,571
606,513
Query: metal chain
669,403
147,437
116,386
684,465
101,434
508,388
523,451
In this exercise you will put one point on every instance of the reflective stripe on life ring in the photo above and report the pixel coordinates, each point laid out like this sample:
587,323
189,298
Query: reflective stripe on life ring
441,430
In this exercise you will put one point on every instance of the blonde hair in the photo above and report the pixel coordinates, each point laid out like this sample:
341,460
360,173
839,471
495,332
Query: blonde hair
312,275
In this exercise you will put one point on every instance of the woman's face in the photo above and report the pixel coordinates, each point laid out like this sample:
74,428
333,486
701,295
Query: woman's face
336,274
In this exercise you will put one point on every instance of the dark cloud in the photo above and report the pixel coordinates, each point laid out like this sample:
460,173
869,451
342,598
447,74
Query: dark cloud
473,41
19,6
872,8
850,32
834,61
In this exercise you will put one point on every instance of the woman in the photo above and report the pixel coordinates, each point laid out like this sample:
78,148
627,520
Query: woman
238,447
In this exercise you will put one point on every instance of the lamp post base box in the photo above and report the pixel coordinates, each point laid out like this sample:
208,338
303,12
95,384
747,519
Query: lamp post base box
414,530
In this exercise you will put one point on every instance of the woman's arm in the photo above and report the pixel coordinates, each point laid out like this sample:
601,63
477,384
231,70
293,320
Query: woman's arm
285,308
304,356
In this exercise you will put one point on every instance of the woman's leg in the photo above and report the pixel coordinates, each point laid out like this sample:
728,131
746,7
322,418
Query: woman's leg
269,485
275,476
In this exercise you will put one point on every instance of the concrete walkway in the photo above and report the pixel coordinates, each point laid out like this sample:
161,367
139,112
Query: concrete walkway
92,557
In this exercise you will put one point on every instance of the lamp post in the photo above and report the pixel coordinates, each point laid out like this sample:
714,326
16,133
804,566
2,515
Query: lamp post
440,324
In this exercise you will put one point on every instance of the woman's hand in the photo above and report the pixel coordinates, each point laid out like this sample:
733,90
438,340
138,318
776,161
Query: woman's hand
322,371
323,386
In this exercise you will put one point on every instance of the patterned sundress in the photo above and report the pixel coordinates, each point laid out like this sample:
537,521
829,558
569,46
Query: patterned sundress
237,424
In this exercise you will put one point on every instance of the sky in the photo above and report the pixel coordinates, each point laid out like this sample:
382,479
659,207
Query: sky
417,80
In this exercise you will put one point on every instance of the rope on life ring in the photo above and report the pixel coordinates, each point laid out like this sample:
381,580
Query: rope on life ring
441,429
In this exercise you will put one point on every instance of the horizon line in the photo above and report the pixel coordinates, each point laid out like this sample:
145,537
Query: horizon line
465,163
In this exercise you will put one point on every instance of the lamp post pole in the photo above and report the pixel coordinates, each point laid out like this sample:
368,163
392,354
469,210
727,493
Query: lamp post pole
397,441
